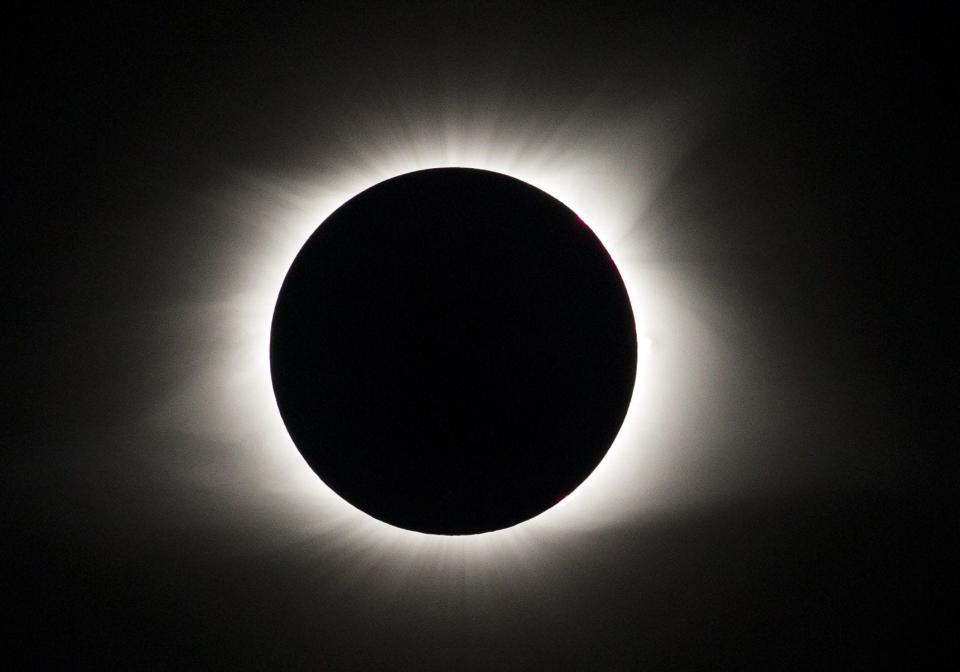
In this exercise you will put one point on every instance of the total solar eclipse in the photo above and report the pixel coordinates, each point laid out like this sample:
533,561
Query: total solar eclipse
453,351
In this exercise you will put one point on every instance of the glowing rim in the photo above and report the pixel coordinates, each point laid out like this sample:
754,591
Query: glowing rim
231,400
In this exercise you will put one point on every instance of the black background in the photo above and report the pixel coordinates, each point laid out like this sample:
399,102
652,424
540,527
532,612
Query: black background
810,200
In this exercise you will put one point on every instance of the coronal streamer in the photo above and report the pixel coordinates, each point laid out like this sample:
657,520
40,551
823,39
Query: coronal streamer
585,168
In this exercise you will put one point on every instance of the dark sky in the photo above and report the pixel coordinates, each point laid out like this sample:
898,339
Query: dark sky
775,167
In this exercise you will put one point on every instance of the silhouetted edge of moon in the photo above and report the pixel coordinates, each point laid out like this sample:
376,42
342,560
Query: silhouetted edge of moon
453,351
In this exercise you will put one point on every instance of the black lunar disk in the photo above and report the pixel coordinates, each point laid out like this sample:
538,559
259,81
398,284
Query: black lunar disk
453,351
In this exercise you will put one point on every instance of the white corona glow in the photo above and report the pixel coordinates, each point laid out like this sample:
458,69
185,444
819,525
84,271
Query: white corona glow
230,399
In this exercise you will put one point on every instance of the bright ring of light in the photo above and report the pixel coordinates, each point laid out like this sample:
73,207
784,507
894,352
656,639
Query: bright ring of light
280,219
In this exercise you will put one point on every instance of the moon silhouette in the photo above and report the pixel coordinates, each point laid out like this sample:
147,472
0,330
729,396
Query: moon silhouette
453,351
